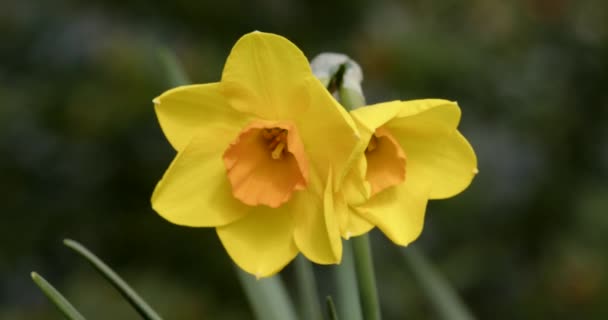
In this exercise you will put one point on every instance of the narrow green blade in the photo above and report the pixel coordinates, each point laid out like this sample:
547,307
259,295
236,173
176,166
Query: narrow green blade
366,277
444,298
331,309
345,277
174,72
309,305
125,290
57,298
268,297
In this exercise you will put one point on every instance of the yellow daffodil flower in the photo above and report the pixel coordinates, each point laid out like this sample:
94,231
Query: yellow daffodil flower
411,152
257,156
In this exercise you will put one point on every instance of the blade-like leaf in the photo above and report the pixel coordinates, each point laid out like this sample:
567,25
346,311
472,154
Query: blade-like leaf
57,298
268,297
309,306
444,298
345,278
331,309
366,278
174,72
125,290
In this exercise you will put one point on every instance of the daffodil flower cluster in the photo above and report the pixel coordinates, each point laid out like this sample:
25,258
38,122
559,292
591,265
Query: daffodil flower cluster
278,167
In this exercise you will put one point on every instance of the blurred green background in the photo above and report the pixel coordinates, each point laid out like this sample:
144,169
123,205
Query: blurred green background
81,149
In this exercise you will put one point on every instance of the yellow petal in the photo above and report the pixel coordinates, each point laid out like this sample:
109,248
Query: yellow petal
316,233
374,116
437,153
195,190
350,222
183,110
265,74
355,188
357,225
262,242
329,134
269,76
398,211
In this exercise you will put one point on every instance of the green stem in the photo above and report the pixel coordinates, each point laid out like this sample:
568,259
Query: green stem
309,307
350,99
144,310
366,278
57,298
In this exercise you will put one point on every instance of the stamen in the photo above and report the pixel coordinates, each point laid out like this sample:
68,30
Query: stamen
273,144
277,153
267,134
277,141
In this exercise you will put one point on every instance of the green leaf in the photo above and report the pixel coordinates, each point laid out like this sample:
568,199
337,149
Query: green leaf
57,298
175,74
125,290
268,297
345,278
366,278
444,298
331,309
309,306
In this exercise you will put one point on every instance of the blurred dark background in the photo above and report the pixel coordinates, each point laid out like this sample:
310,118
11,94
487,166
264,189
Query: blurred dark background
81,150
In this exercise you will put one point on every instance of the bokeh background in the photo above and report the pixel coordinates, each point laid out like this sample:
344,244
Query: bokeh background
81,150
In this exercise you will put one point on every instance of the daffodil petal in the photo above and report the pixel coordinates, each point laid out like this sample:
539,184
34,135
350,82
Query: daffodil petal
427,131
269,76
350,222
195,190
357,225
437,153
331,219
329,134
265,74
374,116
355,191
316,231
398,212
261,243
184,110
355,188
